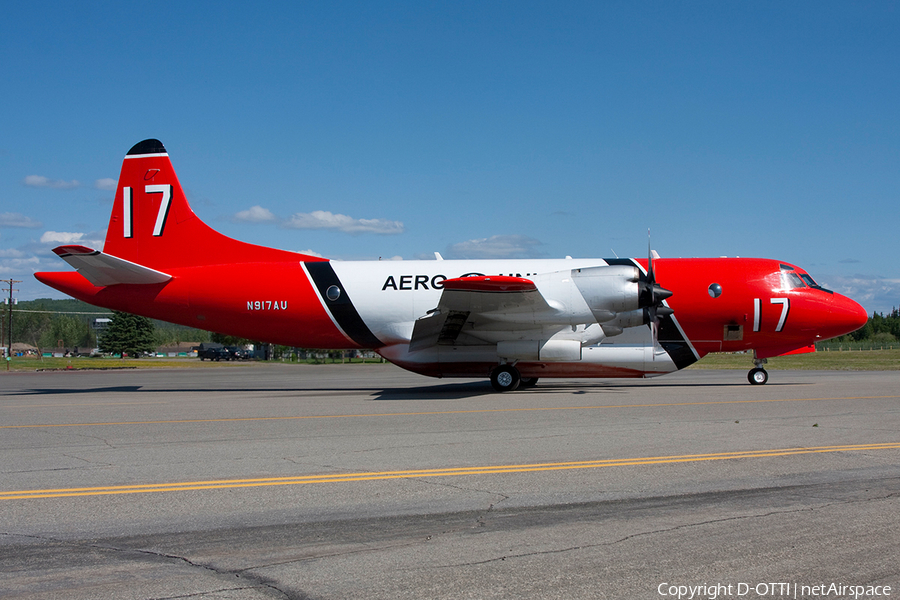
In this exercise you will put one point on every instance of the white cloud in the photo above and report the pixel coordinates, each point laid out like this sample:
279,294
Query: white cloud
106,184
310,253
17,220
323,219
498,246
876,294
255,214
14,267
39,181
61,237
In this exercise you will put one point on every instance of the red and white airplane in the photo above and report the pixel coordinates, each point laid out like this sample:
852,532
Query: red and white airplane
511,320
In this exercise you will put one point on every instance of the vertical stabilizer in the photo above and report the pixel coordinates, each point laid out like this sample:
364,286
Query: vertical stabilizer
152,223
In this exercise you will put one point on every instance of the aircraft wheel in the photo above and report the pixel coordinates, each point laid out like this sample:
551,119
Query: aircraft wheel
528,382
758,376
505,378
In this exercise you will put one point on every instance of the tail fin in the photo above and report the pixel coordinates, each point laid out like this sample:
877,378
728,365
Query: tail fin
153,225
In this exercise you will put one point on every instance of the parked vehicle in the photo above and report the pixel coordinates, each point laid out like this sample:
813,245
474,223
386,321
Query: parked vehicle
213,351
236,353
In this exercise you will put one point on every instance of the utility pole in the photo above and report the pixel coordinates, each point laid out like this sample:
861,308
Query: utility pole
9,306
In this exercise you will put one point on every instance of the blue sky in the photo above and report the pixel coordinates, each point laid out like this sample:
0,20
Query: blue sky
482,129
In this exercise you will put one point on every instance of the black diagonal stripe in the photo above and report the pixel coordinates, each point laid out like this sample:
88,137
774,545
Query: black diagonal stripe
670,336
674,344
342,308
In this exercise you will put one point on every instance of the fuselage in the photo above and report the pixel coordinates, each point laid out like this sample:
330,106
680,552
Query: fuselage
526,318
719,304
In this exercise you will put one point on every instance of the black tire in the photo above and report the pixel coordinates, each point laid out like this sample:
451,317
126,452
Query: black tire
505,378
528,382
757,376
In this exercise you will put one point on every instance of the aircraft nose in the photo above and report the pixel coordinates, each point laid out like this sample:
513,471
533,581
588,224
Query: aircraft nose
847,315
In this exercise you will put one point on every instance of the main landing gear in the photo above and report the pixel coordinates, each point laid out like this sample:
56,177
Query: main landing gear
758,375
506,378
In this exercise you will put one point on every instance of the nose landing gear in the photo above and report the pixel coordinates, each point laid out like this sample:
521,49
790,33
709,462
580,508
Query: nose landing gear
758,375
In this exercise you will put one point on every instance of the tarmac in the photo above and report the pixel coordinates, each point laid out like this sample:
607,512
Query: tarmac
365,481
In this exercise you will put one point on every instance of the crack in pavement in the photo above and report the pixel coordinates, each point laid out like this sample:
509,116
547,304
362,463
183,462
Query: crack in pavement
204,593
90,462
254,581
257,581
664,530
315,557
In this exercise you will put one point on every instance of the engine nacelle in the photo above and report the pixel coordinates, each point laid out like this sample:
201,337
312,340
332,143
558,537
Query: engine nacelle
632,318
609,290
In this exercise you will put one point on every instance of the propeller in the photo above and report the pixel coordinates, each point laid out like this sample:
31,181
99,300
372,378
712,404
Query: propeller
651,296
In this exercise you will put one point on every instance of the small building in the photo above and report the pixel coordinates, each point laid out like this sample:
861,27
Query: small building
179,349
20,349
100,324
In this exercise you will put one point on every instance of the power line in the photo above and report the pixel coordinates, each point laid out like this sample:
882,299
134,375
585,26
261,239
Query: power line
63,312
9,312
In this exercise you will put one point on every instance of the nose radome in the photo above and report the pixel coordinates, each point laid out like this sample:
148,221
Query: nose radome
848,314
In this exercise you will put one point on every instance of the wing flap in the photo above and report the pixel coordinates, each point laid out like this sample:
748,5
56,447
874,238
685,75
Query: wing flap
437,328
104,269
477,301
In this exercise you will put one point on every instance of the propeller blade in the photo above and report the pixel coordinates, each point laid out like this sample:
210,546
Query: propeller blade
652,295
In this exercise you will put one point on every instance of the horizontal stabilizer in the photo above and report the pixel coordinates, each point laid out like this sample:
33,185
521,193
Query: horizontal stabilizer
104,269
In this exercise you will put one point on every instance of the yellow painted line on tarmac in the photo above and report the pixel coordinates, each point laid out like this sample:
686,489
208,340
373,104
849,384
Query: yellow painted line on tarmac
449,472
443,412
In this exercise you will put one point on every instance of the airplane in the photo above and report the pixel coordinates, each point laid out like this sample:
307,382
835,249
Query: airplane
512,321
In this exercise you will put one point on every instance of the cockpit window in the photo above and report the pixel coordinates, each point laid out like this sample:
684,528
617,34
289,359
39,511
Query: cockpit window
791,281
812,283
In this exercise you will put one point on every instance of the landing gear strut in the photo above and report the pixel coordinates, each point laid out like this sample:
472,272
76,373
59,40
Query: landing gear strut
505,378
758,375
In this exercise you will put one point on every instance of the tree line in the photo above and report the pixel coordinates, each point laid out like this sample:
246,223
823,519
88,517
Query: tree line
879,329
67,324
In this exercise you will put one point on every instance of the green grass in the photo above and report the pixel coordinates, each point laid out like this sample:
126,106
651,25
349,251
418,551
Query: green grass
34,363
865,360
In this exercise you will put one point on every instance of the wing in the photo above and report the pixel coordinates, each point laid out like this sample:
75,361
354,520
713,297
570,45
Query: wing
478,301
104,269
